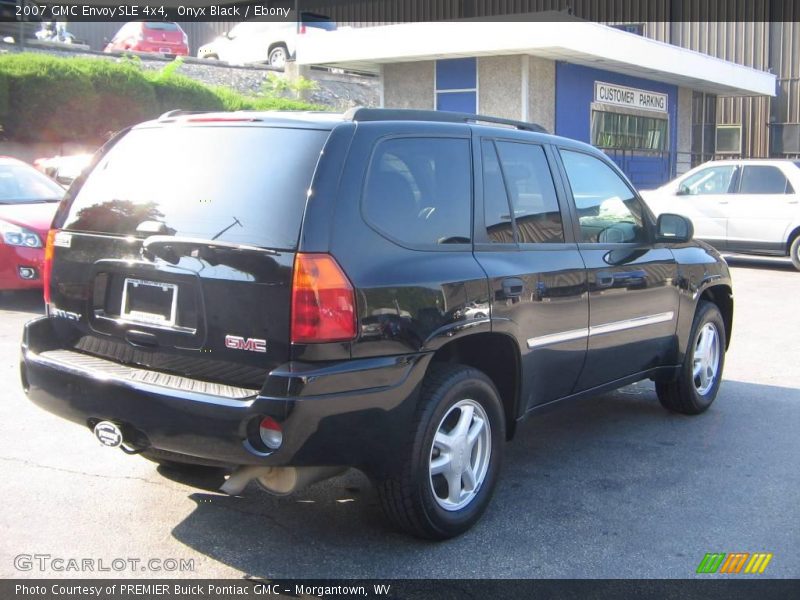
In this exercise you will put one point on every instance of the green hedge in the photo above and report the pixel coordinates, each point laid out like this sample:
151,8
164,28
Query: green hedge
45,95
45,98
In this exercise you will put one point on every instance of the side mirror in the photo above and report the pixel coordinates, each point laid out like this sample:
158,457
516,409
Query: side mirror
683,190
674,229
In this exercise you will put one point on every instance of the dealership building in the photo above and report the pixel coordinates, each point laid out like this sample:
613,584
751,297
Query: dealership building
632,96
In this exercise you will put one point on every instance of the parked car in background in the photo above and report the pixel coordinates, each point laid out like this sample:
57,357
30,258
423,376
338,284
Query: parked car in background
161,37
258,41
28,201
746,206
64,169
409,328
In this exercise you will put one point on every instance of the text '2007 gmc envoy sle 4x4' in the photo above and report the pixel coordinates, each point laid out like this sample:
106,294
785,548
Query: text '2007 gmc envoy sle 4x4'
293,294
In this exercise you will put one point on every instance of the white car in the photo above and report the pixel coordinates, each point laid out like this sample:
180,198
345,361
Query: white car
264,41
747,206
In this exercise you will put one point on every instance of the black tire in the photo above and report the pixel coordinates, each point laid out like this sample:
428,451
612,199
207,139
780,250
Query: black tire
794,252
274,52
686,394
407,496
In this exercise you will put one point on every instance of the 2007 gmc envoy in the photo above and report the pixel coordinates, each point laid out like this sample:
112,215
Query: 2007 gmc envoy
294,294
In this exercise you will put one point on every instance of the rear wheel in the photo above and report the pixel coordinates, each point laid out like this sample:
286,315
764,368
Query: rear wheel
448,470
794,252
698,383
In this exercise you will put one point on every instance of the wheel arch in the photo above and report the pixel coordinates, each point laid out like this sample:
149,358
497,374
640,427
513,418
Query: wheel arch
722,296
793,234
498,356
274,45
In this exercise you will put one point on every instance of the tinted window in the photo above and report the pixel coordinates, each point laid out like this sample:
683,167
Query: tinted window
20,184
251,182
418,190
533,196
763,180
608,210
713,180
496,211
161,26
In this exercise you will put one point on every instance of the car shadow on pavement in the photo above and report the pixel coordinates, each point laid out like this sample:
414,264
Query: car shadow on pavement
563,473
26,301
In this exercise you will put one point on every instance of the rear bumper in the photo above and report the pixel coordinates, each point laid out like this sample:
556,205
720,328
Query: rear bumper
353,413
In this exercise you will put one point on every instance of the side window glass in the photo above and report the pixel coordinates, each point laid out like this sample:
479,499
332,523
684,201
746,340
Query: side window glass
608,210
714,180
419,191
497,213
763,179
533,195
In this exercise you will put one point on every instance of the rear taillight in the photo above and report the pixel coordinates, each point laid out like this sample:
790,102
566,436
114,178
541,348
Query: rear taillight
48,264
323,301
302,28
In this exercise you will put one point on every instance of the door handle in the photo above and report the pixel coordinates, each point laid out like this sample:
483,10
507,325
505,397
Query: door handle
512,287
723,201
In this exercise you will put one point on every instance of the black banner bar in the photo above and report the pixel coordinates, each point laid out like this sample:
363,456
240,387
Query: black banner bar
398,11
730,588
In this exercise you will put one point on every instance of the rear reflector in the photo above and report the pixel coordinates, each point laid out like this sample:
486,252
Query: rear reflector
271,433
48,264
323,301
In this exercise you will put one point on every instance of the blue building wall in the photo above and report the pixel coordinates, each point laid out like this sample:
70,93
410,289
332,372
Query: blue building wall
574,96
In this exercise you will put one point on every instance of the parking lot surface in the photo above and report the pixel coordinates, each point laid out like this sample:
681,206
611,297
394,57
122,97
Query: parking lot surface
612,486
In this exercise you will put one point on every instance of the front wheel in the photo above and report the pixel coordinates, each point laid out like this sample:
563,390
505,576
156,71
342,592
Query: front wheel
447,473
701,374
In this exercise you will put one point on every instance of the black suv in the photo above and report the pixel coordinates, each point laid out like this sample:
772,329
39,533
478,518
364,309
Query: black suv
293,294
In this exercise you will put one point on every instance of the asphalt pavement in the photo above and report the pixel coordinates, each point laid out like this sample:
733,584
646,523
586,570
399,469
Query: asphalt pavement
612,486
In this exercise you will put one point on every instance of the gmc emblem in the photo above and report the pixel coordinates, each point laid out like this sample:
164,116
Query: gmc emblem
236,342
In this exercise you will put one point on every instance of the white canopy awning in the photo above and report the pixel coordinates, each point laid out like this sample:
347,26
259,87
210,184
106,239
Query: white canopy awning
578,42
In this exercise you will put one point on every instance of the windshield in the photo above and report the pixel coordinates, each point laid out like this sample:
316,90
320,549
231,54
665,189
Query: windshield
245,185
21,184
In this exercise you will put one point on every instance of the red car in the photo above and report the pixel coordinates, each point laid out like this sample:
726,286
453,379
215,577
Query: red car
28,201
162,37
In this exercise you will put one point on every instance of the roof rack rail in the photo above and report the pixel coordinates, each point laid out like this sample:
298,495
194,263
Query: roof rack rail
402,114
171,114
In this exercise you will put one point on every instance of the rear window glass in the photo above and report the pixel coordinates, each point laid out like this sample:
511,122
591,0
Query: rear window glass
238,184
161,26
419,191
763,180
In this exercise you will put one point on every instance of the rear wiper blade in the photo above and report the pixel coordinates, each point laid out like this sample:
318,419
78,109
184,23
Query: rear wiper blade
171,248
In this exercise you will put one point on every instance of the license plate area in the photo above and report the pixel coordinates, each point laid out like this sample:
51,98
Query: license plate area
149,302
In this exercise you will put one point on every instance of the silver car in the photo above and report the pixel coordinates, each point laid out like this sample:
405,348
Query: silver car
748,206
